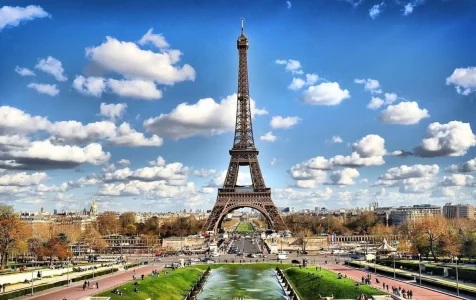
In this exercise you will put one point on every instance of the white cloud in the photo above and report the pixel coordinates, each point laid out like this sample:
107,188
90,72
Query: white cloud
48,89
375,103
22,179
344,177
292,65
140,89
375,10
311,79
96,86
466,167
91,86
286,122
337,139
160,161
156,39
206,190
371,85
464,80
113,111
173,174
326,93
415,171
127,136
445,192
408,8
24,71
405,113
371,145
14,120
451,139
154,189
364,180
53,67
13,16
288,4
296,84
390,98
44,155
274,161
458,180
124,162
206,117
127,59
268,137
204,172
292,197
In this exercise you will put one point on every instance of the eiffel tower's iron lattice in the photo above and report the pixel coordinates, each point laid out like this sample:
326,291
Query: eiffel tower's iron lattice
244,153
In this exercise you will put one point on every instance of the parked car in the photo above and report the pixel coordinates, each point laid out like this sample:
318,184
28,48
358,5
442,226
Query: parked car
295,261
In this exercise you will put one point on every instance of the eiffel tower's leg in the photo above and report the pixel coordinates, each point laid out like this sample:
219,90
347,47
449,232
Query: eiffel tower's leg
214,217
256,176
232,174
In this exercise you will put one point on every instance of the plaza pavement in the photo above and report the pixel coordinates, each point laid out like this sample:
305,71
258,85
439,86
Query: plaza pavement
418,292
75,290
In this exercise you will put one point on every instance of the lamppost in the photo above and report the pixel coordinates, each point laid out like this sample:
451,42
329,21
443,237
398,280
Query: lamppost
457,282
67,270
419,265
394,253
32,272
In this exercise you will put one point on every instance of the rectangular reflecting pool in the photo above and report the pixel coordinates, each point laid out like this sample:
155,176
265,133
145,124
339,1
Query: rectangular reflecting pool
242,283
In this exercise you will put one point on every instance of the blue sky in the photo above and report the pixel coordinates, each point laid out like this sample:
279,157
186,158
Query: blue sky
354,102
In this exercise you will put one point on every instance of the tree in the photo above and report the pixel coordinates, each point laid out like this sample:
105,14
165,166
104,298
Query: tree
304,234
93,239
127,218
430,230
107,223
6,212
381,231
55,248
12,232
34,246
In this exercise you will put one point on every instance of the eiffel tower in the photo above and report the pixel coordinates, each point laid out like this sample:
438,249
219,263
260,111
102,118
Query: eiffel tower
244,153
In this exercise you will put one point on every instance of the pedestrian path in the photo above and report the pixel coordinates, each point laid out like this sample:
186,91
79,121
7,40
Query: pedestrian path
75,291
418,292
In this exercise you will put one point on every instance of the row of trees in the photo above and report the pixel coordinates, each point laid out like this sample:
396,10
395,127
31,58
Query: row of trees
431,237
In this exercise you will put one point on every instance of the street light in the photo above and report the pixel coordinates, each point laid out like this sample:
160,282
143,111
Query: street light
32,272
394,253
419,265
457,283
67,270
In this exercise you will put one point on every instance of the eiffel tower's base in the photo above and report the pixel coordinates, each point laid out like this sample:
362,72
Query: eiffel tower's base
229,200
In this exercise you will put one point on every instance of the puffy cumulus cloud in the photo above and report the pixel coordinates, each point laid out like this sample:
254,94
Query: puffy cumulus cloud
126,136
130,61
375,10
113,111
159,161
415,171
47,89
343,177
458,180
375,103
445,192
42,155
292,65
14,120
204,172
409,185
153,188
283,122
464,79
371,85
326,93
158,40
90,180
296,84
364,180
244,178
466,167
337,139
405,113
136,88
24,71
311,78
22,179
14,15
390,98
53,67
206,190
451,139
268,137
368,151
173,174
206,117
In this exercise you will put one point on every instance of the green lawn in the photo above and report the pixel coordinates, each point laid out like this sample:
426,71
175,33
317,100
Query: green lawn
174,285
245,227
309,287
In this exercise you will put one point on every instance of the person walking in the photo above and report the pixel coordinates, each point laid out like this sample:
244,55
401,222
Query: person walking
97,285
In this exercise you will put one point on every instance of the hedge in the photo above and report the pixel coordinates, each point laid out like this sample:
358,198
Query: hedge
42,287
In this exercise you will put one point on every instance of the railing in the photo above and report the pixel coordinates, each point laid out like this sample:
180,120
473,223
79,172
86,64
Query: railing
198,286
286,285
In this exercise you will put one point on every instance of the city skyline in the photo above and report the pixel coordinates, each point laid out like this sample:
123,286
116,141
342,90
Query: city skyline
353,101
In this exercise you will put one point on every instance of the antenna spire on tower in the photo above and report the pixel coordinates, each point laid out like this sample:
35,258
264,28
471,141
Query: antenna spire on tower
242,26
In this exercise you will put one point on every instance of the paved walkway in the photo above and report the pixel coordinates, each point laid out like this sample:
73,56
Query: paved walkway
418,292
75,291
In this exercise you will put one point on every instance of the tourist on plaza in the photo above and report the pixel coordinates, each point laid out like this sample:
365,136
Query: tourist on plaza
97,285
